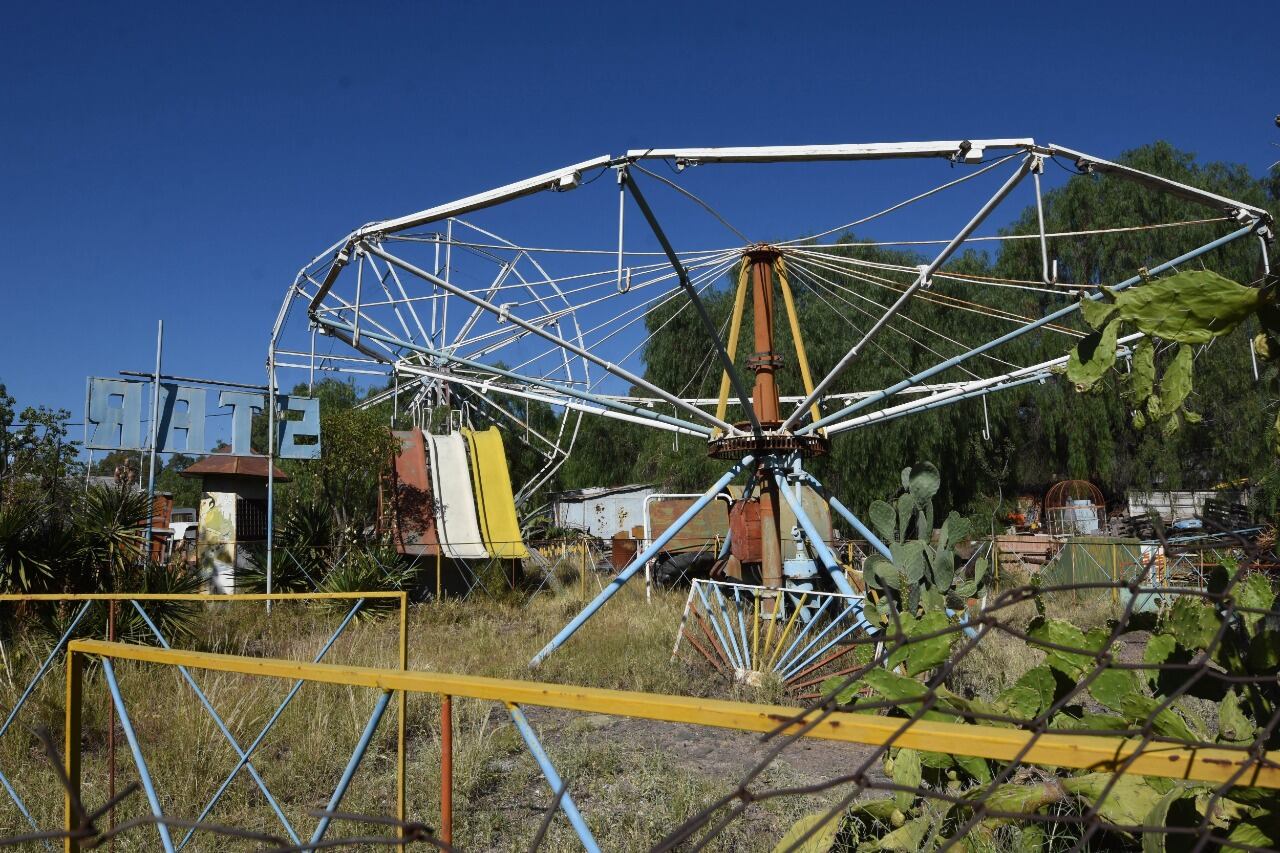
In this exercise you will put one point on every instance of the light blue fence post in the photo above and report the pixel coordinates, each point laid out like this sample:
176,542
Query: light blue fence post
140,763
553,779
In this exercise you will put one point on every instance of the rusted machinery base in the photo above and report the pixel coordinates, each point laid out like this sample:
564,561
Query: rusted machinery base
768,444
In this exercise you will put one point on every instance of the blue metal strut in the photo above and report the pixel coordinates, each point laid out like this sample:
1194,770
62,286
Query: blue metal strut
638,563
553,779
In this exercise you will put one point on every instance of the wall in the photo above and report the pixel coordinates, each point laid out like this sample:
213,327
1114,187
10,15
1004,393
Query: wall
216,551
604,515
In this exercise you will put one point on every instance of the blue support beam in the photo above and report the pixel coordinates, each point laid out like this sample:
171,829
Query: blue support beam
825,557
640,559
140,763
848,515
293,691
558,788
730,649
742,627
366,737
781,663
22,700
222,727
859,623
22,807
44,667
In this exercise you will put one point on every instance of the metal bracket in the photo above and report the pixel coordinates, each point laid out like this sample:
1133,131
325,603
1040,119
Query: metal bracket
926,280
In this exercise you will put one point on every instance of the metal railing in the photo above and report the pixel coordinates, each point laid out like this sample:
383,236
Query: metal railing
1055,749
137,601
748,630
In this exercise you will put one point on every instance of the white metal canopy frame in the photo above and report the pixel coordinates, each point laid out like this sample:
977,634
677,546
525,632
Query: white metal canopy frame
452,314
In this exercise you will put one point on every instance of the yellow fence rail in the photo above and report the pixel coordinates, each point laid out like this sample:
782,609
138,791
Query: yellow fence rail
1057,749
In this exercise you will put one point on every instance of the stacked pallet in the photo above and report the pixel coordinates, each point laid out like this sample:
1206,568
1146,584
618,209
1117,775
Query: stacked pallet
1025,553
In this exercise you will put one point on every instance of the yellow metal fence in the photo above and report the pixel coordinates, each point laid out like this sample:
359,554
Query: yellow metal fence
1055,749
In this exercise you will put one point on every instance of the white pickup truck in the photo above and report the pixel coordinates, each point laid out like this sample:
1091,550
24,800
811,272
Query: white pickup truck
180,521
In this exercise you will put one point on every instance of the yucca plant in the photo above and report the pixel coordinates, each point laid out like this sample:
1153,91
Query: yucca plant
304,548
173,618
109,524
370,569
24,568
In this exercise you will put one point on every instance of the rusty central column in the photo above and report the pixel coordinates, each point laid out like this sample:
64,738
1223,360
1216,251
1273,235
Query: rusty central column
764,361
764,397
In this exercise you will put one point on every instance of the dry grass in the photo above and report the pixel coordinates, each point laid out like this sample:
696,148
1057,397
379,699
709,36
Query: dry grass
630,794
1000,658
633,780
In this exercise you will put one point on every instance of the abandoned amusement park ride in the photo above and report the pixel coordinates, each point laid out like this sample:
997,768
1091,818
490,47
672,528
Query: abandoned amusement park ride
453,315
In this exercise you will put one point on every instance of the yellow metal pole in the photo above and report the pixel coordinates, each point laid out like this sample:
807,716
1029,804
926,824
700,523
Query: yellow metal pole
402,707
439,574
71,743
794,320
735,327
446,769
782,641
1057,748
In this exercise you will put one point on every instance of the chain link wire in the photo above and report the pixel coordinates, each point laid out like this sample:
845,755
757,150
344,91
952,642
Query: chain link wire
1208,649
1201,673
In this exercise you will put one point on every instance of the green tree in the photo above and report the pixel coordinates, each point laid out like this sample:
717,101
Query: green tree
41,454
185,490
356,449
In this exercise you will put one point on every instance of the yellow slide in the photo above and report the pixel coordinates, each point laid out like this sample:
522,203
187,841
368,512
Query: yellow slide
495,503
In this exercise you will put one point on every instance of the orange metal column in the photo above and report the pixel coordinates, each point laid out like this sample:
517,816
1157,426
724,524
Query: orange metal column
446,769
764,361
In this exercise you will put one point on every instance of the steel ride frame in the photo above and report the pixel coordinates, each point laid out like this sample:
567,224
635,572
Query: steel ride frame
778,470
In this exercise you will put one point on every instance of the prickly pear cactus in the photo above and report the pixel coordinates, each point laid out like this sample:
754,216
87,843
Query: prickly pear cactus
922,573
1080,685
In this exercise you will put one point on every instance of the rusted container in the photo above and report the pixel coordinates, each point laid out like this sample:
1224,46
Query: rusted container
623,550
701,533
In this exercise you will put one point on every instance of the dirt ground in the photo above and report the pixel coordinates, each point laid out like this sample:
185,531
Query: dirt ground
722,755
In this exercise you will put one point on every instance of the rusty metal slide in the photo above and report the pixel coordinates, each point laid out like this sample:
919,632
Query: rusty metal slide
413,520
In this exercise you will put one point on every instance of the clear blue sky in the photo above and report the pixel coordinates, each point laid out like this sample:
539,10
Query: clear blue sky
181,161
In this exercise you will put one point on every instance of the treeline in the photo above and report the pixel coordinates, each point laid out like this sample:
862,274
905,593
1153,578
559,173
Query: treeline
1031,436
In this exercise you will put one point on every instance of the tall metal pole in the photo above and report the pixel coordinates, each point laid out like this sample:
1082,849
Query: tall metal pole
270,410
155,431
111,735
764,400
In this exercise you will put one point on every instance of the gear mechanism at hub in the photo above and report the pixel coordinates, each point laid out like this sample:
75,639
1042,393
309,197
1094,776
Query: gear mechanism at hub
598,259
